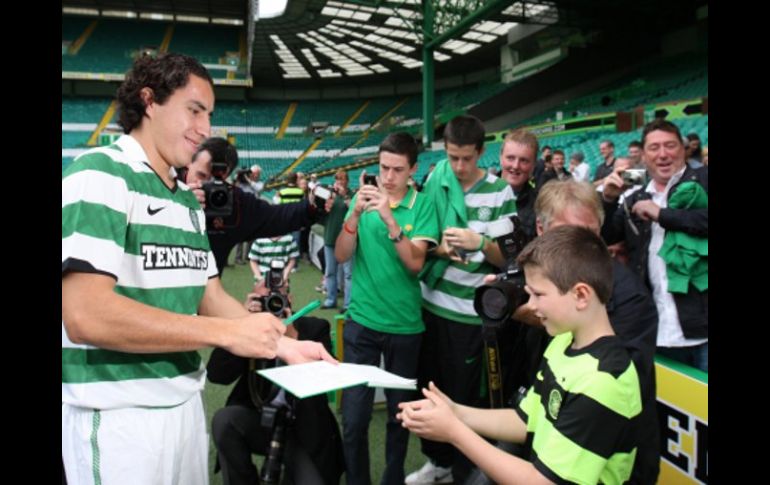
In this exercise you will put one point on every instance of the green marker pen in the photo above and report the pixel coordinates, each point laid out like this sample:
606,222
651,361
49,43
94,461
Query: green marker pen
303,311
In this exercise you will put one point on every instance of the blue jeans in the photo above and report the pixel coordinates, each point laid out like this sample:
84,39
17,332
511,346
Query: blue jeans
331,277
242,251
295,235
696,356
364,346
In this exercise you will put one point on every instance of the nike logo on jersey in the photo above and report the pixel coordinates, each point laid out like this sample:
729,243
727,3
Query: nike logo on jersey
152,211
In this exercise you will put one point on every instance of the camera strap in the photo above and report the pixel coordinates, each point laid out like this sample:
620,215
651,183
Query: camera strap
494,369
261,390
252,377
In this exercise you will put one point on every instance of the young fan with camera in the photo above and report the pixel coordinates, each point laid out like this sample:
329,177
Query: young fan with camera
467,199
389,228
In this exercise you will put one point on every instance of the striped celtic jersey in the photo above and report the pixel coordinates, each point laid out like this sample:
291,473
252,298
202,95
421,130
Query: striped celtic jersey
120,219
582,412
266,249
452,298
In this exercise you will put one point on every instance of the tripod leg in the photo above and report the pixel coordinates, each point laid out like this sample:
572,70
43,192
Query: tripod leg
300,469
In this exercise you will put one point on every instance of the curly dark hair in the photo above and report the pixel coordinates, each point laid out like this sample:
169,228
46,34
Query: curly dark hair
164,75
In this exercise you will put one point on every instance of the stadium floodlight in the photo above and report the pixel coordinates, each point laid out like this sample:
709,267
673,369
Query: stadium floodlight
271,9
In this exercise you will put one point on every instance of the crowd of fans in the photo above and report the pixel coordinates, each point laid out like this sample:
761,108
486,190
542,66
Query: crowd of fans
629,282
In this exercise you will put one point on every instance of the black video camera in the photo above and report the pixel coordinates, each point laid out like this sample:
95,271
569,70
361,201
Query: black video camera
496,303
219,194
275,302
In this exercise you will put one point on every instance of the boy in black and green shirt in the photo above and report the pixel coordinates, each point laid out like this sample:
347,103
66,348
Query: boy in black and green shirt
580,416
390,228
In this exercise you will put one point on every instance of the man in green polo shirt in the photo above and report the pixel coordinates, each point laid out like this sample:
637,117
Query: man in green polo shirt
390,228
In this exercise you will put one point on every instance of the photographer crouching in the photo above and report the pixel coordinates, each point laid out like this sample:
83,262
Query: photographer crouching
299,438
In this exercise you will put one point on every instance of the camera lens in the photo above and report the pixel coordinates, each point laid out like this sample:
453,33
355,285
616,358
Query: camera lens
495,303
219,198
274,304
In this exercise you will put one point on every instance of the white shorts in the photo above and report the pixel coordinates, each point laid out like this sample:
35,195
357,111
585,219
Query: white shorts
148,446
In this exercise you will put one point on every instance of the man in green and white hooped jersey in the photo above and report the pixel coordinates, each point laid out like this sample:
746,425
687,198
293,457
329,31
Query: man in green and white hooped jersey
136,268
467,199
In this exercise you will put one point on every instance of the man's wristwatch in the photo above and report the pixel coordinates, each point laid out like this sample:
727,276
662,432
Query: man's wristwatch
398,237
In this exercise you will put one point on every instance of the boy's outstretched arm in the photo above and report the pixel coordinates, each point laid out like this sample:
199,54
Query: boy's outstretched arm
498,424
438,418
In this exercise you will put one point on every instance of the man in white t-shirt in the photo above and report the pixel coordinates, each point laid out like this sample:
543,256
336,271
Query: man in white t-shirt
579,168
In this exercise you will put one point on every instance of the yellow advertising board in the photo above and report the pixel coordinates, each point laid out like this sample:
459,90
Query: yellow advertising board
683,412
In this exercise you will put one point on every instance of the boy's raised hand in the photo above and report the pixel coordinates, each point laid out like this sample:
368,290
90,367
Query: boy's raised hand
433,417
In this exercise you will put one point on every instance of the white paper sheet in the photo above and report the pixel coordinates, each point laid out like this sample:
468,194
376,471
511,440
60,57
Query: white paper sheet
313,378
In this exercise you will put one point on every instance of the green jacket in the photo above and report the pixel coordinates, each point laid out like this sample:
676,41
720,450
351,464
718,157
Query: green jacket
443,189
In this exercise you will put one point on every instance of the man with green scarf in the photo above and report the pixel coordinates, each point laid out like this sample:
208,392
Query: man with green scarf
467,199
665,226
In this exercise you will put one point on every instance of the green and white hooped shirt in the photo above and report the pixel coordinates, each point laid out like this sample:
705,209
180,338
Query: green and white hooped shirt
120,219
489,200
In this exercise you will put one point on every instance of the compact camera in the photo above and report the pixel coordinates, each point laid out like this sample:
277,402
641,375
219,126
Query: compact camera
322,194
634,176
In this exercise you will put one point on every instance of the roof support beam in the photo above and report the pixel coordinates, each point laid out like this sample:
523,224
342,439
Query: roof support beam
428,94
465,23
